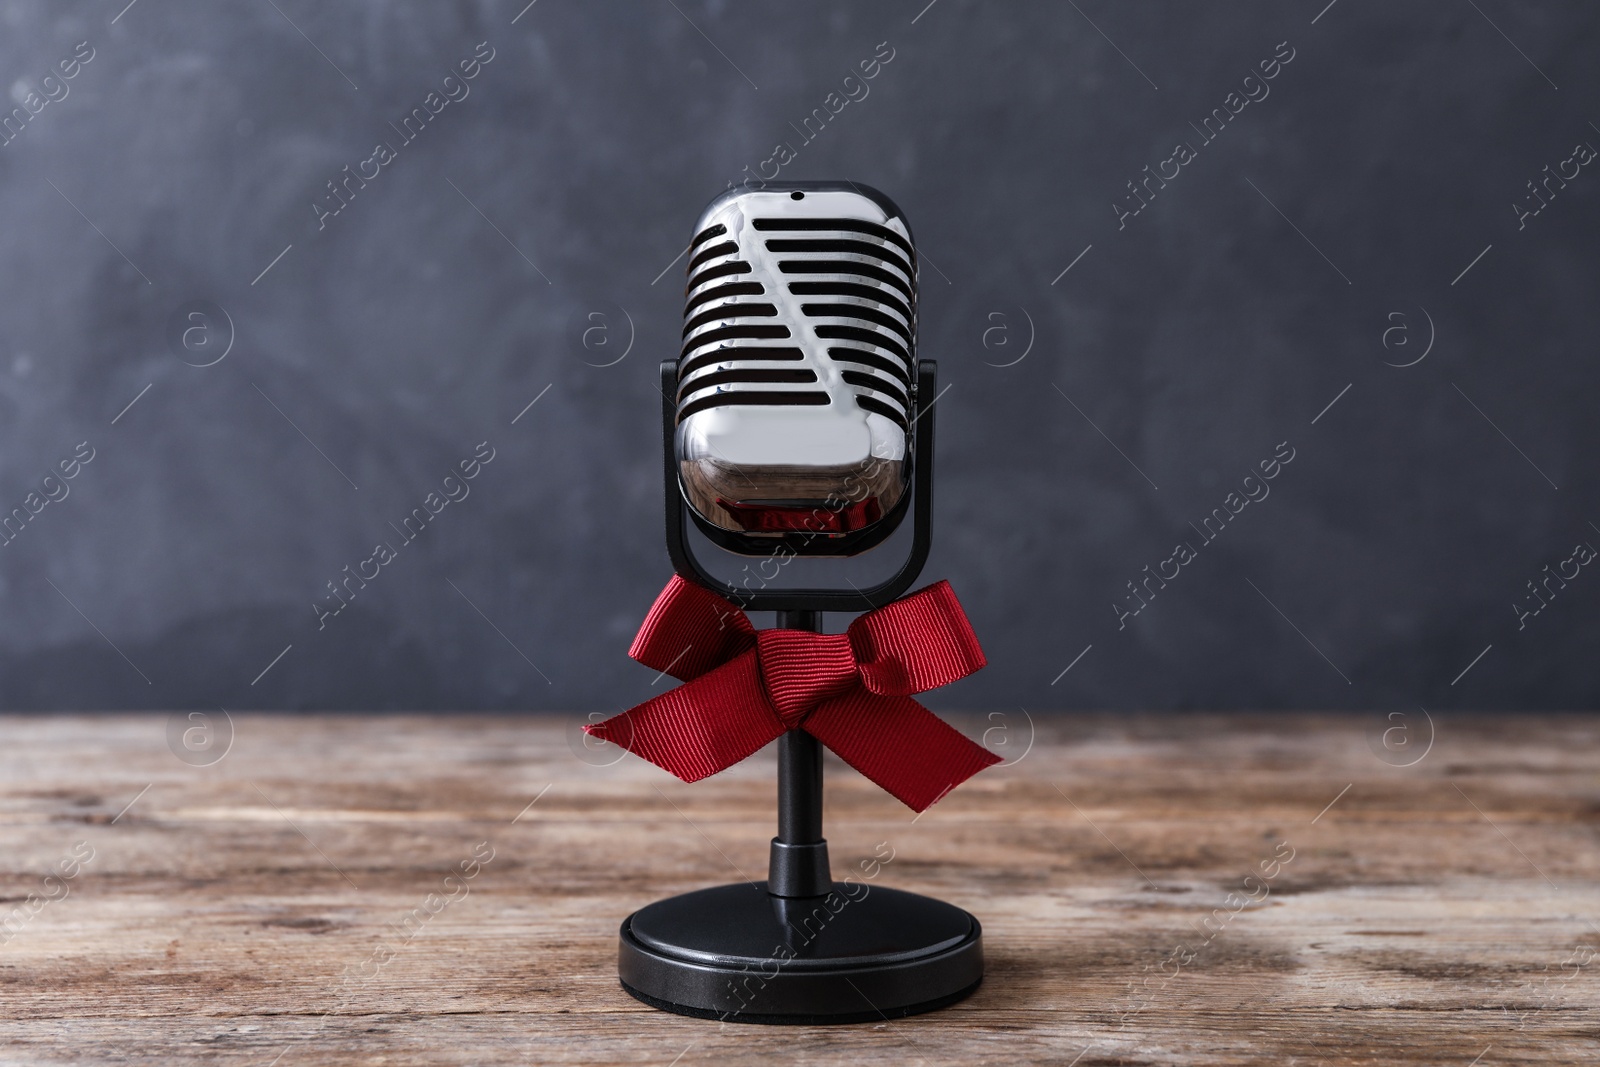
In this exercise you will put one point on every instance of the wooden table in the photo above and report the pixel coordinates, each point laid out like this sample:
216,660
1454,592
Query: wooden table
289,903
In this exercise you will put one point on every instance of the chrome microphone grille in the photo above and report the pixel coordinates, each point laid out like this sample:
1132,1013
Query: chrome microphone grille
795,383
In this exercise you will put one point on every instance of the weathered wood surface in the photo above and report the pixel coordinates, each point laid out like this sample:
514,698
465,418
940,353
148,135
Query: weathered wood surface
255,911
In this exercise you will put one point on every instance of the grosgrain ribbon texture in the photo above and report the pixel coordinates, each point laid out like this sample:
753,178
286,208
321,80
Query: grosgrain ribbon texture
852,691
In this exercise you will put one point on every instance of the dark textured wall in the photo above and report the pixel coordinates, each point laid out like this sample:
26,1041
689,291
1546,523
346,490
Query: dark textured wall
1361,212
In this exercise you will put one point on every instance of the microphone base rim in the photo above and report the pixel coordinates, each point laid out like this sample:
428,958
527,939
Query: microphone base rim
887,954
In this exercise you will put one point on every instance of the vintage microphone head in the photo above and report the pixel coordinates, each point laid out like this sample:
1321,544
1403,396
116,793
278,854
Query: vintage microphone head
796,390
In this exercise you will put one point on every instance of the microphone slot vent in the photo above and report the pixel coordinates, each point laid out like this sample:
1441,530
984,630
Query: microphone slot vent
871,229
721,270
724,292
707,234
730,311
741,332
857,311
726,248
741,354
769,399
841,266
860,292
873,360
837,247
866,337
752,375
878,407
862,380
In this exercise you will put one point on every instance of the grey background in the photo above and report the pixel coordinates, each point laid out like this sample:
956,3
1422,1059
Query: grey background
1215,325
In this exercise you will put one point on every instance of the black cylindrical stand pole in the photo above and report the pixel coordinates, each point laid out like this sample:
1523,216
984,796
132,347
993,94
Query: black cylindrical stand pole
799,789
799,863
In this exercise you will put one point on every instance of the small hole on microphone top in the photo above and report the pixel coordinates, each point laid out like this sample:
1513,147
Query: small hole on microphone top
797,195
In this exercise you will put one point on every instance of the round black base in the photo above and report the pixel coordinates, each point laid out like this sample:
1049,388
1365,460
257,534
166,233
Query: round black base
860,954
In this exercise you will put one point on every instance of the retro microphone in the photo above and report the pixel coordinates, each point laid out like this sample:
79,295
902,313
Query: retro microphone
797,422
794,389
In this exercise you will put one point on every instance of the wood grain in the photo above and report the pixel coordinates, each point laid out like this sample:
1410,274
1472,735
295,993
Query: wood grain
265,909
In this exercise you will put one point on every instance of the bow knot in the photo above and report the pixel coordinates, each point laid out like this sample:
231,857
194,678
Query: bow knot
801,669
851,691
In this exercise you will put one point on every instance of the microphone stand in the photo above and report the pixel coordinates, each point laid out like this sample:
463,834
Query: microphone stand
798,866
800,947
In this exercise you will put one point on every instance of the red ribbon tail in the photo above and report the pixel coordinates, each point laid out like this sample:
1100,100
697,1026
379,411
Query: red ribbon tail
701,727
899,744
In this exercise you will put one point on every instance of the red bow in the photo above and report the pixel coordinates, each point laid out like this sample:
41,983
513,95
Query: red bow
851,691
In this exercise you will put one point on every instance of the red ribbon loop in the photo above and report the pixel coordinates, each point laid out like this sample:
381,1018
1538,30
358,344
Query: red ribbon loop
743,688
